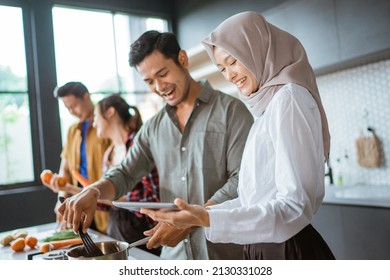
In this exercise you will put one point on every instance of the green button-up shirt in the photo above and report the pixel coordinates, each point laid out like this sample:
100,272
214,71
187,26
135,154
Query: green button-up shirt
199,164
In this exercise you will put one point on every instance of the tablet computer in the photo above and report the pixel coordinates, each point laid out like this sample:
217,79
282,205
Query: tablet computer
136,206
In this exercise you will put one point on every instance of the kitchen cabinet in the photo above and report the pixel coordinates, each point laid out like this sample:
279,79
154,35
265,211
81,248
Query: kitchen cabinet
355,232
363,27
314,23
336,34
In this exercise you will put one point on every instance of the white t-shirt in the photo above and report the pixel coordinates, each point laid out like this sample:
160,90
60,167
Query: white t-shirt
281,179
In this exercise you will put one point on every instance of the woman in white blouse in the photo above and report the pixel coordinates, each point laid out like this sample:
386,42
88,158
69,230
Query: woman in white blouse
281,182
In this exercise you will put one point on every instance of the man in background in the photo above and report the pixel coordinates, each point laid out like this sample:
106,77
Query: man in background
83,150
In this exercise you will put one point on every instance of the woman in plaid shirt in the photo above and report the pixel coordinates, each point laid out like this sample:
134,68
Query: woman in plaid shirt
120,122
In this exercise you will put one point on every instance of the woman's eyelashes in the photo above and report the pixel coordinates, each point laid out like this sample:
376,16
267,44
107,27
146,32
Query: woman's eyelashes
222,70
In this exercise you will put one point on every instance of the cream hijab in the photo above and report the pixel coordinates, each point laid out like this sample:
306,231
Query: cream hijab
274,56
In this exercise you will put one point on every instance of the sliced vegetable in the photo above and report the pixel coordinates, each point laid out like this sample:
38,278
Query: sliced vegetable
54,245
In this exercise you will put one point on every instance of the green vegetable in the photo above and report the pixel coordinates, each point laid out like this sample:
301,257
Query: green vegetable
61,235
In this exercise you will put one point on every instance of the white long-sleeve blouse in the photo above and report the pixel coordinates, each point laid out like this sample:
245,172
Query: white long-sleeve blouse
281,179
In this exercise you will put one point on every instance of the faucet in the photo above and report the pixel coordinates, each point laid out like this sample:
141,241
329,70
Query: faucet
329,173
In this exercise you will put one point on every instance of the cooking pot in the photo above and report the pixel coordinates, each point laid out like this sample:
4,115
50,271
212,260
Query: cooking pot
112,250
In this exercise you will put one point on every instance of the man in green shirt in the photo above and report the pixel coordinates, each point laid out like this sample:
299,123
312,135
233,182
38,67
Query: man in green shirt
196,143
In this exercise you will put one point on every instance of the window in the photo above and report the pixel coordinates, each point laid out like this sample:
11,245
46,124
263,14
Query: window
15,127
92,47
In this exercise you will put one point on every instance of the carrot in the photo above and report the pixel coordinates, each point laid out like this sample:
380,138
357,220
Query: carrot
18,244
46,177
54,245
31,241
81,179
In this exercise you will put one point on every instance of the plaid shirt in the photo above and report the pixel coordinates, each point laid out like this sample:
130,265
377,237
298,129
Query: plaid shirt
147,190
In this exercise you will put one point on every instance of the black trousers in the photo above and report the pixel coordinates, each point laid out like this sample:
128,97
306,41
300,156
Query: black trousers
307,244
125,226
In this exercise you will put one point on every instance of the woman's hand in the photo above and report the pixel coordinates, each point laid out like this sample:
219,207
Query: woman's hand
52,183
56,187
187,215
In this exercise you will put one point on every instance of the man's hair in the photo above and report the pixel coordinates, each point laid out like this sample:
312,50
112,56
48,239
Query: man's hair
165,42
72,88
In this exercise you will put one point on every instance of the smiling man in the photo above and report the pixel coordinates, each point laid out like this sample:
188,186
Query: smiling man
196,143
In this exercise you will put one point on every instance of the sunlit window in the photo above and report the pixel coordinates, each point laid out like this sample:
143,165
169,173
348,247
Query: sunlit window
15,129
92,47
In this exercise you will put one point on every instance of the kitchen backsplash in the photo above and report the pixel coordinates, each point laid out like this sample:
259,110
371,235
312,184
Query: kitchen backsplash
355,99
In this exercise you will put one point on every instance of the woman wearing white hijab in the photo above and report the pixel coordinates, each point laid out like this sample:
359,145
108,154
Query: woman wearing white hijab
281,183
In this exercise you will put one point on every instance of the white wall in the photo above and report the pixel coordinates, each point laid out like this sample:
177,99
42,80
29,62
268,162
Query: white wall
354,99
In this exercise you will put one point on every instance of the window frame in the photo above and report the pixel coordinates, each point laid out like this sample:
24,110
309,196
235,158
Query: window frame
42,79
30,73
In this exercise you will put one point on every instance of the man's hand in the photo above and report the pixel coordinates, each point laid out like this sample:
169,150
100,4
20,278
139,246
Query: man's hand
166,235
79,208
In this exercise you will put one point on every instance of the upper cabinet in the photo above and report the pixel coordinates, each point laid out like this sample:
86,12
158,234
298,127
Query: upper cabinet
314,23
363,27
335,32
202,68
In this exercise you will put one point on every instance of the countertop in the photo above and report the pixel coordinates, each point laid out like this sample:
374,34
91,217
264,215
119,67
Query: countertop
359,195
42,231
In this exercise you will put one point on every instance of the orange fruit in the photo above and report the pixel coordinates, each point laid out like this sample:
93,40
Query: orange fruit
46,177
18,244
31,241
62,181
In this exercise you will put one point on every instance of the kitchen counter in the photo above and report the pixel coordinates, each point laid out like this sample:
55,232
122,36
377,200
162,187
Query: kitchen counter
354,222
359,195
42,231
